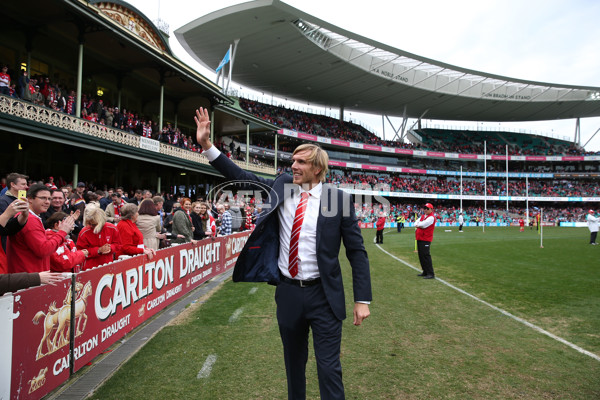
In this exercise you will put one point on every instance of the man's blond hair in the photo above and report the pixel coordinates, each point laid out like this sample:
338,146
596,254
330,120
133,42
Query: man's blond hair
317,157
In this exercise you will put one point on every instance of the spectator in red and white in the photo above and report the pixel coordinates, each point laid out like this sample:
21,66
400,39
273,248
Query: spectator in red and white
132,240
4,81
30,250
380,225
113,210
250,217
66,258
71,106
100,238
204,223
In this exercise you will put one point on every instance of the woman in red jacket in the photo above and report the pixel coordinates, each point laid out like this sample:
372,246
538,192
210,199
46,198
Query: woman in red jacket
132,239
100,238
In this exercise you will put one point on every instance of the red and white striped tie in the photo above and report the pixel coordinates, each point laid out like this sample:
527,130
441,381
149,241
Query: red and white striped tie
298,219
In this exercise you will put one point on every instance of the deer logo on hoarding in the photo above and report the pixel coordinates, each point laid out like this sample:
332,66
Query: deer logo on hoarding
58,320
38,381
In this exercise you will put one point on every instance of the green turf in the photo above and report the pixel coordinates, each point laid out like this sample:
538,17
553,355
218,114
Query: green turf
423,340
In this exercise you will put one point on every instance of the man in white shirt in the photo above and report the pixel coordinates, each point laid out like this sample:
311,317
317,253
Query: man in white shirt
295,245
592,222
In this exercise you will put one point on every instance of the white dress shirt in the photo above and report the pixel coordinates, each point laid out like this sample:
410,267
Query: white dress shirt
307,242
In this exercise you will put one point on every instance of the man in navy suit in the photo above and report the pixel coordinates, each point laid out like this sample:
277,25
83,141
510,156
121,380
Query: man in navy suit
295,245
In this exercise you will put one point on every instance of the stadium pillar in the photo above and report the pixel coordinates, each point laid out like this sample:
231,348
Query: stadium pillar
158,184
79,77
276,152
75,175
161,100
341,114
577,139
212,126
247,144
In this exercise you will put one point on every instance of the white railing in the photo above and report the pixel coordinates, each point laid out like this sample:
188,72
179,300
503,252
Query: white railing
44,115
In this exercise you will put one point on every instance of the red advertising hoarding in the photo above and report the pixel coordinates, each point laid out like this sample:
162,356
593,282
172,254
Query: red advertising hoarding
109,302
127,293
40,347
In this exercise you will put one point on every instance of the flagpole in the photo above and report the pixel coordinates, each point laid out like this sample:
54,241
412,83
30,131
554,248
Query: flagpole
541,228
415,237
527,199
507,181
484,182
461,190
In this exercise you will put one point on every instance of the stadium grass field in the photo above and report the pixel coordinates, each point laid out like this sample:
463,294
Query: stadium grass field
424,339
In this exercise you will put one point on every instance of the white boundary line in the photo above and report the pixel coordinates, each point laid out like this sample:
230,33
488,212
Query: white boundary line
521,320
236,315
207,367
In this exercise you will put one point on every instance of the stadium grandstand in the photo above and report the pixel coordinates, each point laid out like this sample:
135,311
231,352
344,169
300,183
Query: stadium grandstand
94,94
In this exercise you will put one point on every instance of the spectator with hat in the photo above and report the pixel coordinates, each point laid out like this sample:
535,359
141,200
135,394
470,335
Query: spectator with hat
380,225
424,235
592,222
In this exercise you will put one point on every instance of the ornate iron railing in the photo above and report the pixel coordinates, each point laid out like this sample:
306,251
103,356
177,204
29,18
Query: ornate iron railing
44,115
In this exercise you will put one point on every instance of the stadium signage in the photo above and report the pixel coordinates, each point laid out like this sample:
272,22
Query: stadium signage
149,144
432,154
108,302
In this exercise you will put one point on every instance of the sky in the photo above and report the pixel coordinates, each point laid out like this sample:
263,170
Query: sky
554,41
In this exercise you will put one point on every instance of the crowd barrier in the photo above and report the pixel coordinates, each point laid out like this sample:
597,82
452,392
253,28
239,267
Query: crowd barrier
371,225
50,332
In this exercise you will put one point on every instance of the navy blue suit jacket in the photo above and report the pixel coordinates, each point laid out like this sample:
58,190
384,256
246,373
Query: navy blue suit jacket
258,261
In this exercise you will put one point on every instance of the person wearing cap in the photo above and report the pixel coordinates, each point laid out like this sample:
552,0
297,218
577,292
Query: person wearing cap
37,97
461,222
380,225
592,222
424,235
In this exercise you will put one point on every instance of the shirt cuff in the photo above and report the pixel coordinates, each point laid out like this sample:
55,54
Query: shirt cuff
363,302
212,154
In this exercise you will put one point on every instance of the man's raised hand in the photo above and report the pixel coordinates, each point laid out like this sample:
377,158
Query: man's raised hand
203,128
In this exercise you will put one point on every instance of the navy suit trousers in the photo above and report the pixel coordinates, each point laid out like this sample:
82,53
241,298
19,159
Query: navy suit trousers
298,310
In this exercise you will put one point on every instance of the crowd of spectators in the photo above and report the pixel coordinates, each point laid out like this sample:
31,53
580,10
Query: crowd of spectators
448,213
41,91
444,185
62,229
452,141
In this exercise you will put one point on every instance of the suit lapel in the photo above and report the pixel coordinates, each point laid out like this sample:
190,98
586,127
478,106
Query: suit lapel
323,207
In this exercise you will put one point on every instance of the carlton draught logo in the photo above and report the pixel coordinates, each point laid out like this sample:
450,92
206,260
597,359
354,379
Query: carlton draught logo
234,245
38,381
58,320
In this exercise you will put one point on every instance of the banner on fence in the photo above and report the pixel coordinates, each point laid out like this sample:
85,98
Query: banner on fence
107,302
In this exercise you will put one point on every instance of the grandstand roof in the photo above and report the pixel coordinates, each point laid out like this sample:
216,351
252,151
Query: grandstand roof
291,54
